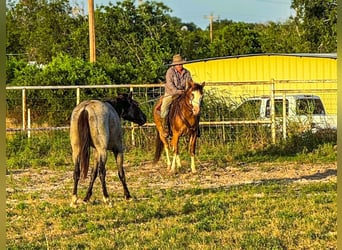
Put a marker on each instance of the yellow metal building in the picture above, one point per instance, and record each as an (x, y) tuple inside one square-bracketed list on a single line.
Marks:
[(252, 74)]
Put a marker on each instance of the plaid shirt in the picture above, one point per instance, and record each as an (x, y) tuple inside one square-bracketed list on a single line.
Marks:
[(175, 81)]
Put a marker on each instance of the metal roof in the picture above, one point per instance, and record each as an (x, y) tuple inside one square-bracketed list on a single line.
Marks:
[(316, 55)]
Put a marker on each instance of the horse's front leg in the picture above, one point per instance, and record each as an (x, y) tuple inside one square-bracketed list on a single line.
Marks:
[(119, 162), (192, 149), (176, 160), (166, 148)]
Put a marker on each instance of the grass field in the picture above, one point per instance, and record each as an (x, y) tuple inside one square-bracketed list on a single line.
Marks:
[(278, 197), (255, 206)]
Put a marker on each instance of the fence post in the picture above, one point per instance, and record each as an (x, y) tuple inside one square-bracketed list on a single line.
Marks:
[(77, 96), (132, 124), (284, 116), (273, 127), (28, 123), (23, 100)]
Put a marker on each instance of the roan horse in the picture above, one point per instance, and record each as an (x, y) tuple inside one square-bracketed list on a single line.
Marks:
[(182, 120), (97, 124)]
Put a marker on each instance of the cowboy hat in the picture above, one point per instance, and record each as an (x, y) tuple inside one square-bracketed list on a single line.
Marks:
[(177, 59)]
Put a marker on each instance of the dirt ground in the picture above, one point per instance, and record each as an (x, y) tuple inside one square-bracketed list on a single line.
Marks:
[(214, 177), (147, 176)]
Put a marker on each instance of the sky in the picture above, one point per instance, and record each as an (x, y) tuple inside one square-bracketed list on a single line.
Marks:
[(250, 11)]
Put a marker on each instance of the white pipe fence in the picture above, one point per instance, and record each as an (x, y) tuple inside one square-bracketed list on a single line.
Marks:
[(26, 126)]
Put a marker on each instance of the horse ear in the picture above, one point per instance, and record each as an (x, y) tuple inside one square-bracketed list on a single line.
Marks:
[(190, 84), (203, 84), (130, 95)]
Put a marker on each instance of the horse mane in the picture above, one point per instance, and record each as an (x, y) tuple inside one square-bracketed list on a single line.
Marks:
[(118, 102), (176, 104)]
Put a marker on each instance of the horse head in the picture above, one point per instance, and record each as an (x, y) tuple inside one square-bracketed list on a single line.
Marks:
[(129, 109), (194, 93)]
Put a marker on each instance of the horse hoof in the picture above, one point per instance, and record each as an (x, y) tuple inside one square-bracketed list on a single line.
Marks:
[(131, 199), (73, 202), (172, 172)]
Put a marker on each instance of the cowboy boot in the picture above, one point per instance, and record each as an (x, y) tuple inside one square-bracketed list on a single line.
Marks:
[(165, 126)]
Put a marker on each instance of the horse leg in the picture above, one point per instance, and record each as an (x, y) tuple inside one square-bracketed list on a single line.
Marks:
[(192, 148), (166, 148), (76, 178), (176, 159), (94, 172), (102, 175), (167, 153), (121, 172)]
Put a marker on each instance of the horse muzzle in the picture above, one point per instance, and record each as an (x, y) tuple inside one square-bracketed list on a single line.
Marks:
[(142, 120)]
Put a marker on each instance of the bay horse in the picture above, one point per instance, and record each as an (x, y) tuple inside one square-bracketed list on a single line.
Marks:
[(97, 124), (183, 120)]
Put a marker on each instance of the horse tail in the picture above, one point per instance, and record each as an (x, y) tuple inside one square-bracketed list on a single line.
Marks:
[(84, 137), (159, 149)]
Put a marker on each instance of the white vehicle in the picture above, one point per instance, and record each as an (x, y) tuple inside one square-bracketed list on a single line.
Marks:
[(307, 110)]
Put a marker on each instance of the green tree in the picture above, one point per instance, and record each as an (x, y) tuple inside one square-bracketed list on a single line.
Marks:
[(316, 24), (41, 29), (280, 38), (144, 37), (234, 38)]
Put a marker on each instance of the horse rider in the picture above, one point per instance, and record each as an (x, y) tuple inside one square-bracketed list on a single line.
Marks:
[(176, 83)]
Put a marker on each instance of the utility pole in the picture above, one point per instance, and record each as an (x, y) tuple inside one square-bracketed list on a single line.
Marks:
[(92, 47), (211, 20)]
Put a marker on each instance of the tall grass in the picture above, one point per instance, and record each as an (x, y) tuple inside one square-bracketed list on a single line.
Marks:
[(215, 144)]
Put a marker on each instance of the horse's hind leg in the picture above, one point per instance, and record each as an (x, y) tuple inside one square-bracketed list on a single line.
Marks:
[(76, 178), (121, 173), (94, 172), (102, 173)]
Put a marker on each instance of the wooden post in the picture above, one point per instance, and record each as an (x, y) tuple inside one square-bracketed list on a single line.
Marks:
[(91, 17)]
